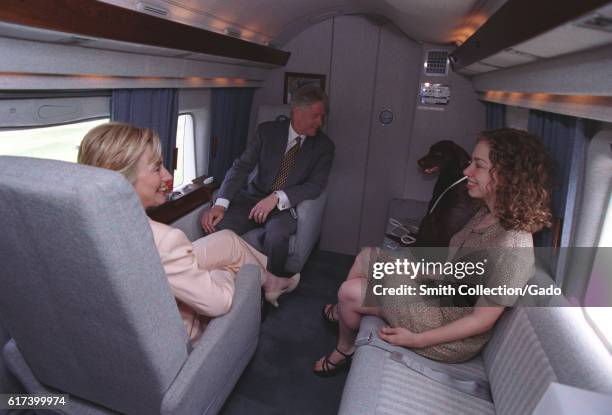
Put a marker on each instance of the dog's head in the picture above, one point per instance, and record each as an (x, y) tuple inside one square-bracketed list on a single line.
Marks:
[(444, 155)]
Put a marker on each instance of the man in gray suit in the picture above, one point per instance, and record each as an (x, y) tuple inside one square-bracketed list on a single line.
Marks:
[(293, 160)]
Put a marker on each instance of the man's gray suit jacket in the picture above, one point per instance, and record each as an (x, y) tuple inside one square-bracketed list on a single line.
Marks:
[(307, 178)]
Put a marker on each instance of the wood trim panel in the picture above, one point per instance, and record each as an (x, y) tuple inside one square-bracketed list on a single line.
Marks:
[(101, 20), (518, 21), (175, 209)]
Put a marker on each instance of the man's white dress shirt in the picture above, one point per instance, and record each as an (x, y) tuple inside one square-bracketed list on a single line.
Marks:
[(283, 200)]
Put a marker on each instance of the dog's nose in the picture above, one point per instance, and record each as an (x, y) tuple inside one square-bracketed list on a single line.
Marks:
[(420, 162)]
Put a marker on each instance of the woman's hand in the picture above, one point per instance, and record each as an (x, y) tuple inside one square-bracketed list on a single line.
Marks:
[(399, 336), (482, 319)]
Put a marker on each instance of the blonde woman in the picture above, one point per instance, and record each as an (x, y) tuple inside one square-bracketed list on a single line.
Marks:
[(201, 275)]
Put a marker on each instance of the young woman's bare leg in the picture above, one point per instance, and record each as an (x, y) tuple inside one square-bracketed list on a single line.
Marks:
[(359, 270), (350, 311)]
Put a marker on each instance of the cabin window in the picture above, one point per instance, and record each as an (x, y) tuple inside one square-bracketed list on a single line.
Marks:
[(61, 142), (185, 143), (58, 142), (600, 317)]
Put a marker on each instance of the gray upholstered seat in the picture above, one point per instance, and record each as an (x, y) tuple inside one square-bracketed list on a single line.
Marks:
[(377, 383), (309, 220), (86, 300), (8, 383), (302, 242), (309, 212), (531, 347)]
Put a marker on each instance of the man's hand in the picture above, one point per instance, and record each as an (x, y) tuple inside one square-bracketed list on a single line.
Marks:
[(262, 209), (399, 336), (212, 217)]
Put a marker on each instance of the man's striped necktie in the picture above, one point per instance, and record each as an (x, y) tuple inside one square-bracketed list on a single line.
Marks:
[(286, 166)]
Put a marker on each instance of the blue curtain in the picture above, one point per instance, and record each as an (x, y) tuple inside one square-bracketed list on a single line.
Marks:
[(230, 113), (565, 140), (151, 108), (495, 115)]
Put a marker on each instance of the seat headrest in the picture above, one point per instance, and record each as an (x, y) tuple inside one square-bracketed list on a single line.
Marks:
[(82, 288)]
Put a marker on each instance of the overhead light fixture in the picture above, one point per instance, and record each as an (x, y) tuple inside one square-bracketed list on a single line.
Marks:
[(232, 31), (141, 6), (597, 22), (76, 40)]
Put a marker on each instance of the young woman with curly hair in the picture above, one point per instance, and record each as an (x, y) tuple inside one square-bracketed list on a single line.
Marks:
[(509, 173), (522, 169)]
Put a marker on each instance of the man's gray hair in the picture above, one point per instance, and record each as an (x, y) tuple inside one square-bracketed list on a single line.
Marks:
[(307, 95)]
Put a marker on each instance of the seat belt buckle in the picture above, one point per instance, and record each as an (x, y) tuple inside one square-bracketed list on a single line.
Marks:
[(397, 357), (364, 341)]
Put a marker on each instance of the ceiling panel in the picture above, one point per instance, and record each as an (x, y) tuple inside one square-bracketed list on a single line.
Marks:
[(569, 38), (277, 21), (433, 21)]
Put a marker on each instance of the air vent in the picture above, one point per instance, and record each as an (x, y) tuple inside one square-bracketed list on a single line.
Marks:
[(436, 63), (151, 9), (597, 22)]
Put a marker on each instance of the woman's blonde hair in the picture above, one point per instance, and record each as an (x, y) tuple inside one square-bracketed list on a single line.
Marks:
[(118, 146)]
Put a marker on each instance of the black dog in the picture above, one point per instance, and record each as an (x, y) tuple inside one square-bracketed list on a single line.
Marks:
[(455, 208)]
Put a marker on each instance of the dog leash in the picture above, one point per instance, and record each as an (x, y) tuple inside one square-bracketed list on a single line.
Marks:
[(444, 192)]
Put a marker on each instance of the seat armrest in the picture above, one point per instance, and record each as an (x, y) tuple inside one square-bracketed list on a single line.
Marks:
[(250, 178), (8, 383), (218, 359), (18, 367), (309, 221), (211, 370)]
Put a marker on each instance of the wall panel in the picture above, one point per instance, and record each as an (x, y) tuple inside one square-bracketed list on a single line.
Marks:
[(459, 121), (351, 91), (310, 53), (370, 67), (397, 79)]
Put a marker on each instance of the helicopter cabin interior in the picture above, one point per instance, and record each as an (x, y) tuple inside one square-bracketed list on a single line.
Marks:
[(400, 75)]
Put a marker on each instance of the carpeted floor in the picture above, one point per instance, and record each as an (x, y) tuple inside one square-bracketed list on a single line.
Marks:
[(279, 379)]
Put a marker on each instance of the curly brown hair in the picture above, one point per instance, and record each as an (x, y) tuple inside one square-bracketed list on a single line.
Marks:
[(521, 167)]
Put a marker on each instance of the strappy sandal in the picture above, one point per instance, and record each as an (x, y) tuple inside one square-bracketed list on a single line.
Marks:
[(327, 312), (329, 368)]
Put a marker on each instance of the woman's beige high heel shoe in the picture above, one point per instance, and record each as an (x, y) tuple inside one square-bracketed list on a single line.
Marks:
[(272, 296)]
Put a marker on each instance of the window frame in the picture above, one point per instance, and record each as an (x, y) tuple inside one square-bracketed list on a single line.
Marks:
[(596, 188), (606, 230), (193, 147), (37, 127), (33, 127)]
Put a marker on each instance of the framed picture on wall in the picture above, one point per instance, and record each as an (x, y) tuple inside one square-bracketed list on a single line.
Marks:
[(294, 80)]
